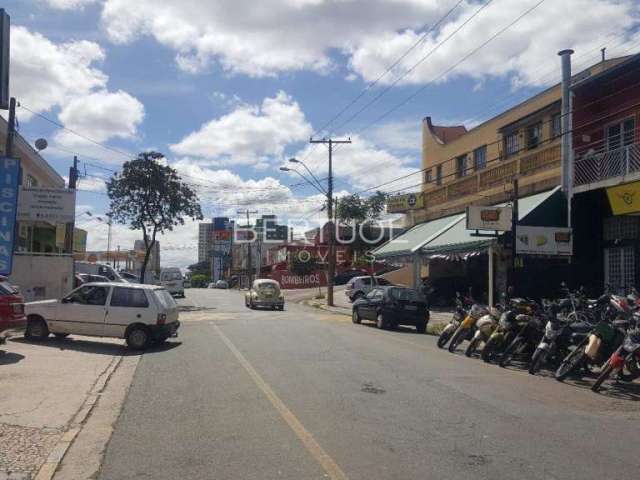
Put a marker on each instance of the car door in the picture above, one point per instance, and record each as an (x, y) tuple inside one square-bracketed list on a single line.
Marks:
[(369, 309), (82, 312), (127, 305)]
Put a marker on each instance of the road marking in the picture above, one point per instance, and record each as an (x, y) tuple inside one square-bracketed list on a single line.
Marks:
[(314, 448)]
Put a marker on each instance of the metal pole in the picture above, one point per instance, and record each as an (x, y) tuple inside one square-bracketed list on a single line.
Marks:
[(514, 231), (11, 128), (490, 267), (566, 144), (73, 180)]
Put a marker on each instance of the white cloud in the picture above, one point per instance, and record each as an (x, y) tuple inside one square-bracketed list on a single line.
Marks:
[(105, 115), (262, 38), (45, 74), (92, 184), (248, 135), (364, 165), (403, 135), (69, 4), (520, 51)]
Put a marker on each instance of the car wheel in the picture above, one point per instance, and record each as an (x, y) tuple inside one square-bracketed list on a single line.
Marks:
[(380, 322), (281, 308), (138, 338), (355, 317), (61, 335), (37, 328)]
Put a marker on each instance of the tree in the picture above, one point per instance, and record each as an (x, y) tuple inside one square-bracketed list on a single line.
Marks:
[(151, 197), (353, 208)]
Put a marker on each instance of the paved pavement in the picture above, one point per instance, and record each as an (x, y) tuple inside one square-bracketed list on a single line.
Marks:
[(43, 385), (305, 394)]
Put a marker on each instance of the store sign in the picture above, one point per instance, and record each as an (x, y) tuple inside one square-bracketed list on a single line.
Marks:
[(9, 175), (49, 205), (288, 280), (544, 241), (489, 218), (624, 199), (404, 203)]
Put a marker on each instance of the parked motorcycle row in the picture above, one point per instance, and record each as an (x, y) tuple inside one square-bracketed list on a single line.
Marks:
[(572, 336)]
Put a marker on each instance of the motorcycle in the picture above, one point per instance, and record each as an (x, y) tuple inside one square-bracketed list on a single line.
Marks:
[(507, 328), (594, 348), (459, 315), (484, 328), (466, 329), (626, 356), (525, 341)]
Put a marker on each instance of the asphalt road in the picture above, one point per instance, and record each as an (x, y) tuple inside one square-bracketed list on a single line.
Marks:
[(304, 394)]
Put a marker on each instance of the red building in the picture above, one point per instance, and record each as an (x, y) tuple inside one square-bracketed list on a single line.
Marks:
[(606, 173)]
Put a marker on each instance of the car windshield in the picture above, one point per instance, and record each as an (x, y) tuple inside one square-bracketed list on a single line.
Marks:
[(7, 289), (266, 287), (406, 295), (171, 276)]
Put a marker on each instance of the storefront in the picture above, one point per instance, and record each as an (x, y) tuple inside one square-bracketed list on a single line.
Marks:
[(454, 258)]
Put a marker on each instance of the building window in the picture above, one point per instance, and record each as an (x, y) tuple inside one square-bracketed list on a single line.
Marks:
[(30, 181), (556, 125), (621, 134), (428, 176), (534, 136), (480, 158), (461, 166), (511, 144), (439, 175)]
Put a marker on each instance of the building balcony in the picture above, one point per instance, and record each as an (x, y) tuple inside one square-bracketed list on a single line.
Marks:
[(603, 169), (529, 167)]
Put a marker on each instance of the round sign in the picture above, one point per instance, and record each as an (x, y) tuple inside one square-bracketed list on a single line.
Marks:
[(41, 144), (412, 200)]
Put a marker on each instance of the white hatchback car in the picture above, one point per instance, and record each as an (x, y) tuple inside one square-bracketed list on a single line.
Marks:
[(141, 314)]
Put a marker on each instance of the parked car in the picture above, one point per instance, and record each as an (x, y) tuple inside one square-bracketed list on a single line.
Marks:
[(12, 319), (392, 306), (344, 277), (211, 285), (223, 284), (88, 278), (141, 314), (171, 279), (130, 277), (103, 269), (265, 293), (358, 287)]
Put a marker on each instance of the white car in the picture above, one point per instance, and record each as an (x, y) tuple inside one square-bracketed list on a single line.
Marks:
[(171, 278), (141, 314)]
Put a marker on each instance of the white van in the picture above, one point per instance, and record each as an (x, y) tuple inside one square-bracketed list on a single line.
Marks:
[(141, 314), (103, 269), (171, 278)]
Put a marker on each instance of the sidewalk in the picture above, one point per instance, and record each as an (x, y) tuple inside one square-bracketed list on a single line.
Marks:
[(47, 391)]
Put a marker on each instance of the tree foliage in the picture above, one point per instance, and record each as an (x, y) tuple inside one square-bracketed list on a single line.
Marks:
[(355, 209), (150, 196)]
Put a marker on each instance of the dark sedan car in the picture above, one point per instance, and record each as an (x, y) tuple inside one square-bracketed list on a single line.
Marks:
[(392, 306)]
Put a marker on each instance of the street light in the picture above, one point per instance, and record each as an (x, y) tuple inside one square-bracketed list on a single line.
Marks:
[(295, 160), (317, 187)]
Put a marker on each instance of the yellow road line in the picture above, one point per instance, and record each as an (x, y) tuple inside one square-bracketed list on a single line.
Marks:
[(314, 448)]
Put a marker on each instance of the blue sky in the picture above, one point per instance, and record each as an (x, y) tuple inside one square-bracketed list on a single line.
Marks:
[(229, 89)]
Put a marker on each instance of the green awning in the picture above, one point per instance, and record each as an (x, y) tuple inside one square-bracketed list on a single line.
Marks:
[(415, 238), (459, 239)]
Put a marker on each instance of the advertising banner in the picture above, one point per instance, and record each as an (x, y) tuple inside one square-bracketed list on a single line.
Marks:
[(404, 203), (9, 175), (624, 199), (46, 205), (489, 218), (544, 241)]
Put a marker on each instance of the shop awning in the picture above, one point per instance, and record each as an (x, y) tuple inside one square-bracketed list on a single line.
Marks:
[(458, 239), (415, 238), (449, 235)]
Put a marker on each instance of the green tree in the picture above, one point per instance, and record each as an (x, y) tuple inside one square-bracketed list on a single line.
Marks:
[(200, 281), (150, 196), (354, 208)]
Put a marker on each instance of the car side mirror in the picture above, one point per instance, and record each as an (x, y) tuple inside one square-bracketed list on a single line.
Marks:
[(66, 300)]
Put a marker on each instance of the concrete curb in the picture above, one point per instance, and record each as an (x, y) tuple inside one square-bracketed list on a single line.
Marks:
[(51, 464)]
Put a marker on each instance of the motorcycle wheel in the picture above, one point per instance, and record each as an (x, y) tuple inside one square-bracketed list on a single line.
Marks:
[(488, 350), (571, 363), (537, 360), (508, 354), (444, 337), (604, 374), (457, 339), (472, 347)]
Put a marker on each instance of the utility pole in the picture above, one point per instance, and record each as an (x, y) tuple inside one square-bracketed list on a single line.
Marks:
[(109, 241), (331, 270), (248, 212), (11, 128), (73, 180)]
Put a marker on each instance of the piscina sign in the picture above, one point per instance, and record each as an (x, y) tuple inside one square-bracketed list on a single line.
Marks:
[(9, 177)]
